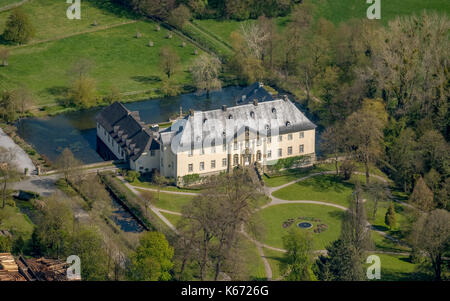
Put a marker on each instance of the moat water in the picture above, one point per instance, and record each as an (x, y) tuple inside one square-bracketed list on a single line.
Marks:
[(76, 130)]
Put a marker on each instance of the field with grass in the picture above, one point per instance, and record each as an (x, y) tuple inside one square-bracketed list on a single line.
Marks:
[(16, 222), (6, 3), (119, 59), (275, 258), (173, 218), (253, 264), (342, 10), (172, 202), (50, 20), (399, 268), (273, 218), (222, 29), (325, 188)]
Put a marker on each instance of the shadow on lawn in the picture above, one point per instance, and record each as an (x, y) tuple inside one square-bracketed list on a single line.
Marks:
[(118, 10), (146, 79)]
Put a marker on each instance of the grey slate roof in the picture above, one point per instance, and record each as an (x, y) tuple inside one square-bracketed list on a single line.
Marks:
[(254, 91), (127, 130), (279, 115)]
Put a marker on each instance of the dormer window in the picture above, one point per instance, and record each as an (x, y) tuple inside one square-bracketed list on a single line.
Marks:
[(274, 111), (252, 114), (204, 120), (230, 116), (288, 123)]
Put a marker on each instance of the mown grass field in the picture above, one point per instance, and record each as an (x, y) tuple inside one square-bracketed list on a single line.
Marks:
[(222, 29), (50, 20), (5, 3), (289, 175), (273, 217), (398, 268), (325, 188), (172, 202), (119, 59), (275, 258), (16, 222), (343, 10)]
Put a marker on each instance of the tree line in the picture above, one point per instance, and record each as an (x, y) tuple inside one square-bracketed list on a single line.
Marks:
[(230, 9)]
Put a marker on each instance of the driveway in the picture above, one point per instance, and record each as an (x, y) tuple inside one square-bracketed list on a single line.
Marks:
[(44, 185), (21, 159)]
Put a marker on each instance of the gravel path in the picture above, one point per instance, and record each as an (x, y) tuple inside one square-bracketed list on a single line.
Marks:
[(21, 160)]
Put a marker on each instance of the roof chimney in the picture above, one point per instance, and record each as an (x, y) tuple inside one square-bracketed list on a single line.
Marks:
[(255, 102), (260, 84), (224, 107), (285, 97), (191, 112)]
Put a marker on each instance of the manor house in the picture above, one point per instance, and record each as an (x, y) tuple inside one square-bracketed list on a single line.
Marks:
[(260, 129)]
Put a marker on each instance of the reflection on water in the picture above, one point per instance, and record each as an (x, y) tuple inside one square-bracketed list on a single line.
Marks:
[(76, 131), (124, 220)]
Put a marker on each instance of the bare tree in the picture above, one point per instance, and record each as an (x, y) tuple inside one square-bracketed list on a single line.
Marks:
[(4, 55), (7, 171), (431, 235), (81, 68), (68, 164), (205, 72), (170, 61), (217, 216), (149, 199), (366, 145), (333, 143), (24, 99)]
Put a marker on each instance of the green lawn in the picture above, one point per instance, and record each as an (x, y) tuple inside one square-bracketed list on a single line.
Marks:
[(207, 40), (120, 60), (16, 222), (384, 244), (173, 218), (5, 3), (275, 258), (342, 10), (398, 268), (50, 20), (325, 188), (273, 217), (288, 175), (222, 29), (172, 202), (253, 264)]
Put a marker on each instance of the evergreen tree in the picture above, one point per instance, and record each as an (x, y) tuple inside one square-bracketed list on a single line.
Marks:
[(18, 28), (390, 218), (422, 197)]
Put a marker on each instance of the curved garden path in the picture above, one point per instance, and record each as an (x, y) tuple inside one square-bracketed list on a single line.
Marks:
[(274, 201)]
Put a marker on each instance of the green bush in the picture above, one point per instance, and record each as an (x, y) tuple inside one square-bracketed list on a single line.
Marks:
[(191, 179), (18, 28), (5, 244), (131, 176), (287, 163)]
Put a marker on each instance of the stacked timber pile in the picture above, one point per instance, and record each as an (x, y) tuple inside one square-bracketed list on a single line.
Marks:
[(9, 271), (44, 269)]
